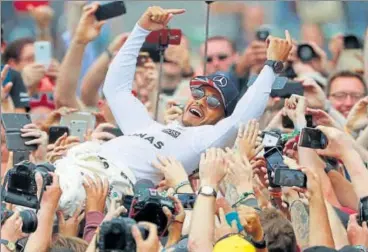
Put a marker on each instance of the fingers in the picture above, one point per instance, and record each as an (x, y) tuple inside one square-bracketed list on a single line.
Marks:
[(61, 218), (4, 72), (222, 215), (288, 37), (175, 11), (152, 229), (137, 234)]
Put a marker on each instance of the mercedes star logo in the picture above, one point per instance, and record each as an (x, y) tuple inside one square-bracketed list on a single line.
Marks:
[(221, 81)]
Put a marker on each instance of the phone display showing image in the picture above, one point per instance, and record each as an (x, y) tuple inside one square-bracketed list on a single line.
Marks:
[(110, 10), (55, 132), (312, 138), (274, 159), (270, 139), (187, 199), (43, 53), (289, 178)]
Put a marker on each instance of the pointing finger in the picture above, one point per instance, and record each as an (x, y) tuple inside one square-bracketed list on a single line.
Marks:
[(175, 11)]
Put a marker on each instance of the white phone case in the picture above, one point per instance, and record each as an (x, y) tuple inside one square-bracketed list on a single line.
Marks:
[(43, 53)]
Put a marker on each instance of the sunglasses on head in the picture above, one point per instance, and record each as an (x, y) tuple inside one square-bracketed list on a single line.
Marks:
[(220, 57), (199, 93)]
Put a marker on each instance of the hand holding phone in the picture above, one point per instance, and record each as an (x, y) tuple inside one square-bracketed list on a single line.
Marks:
[(110, 10), (187, 200), (43, 53), (313, 138), (55, 132), (290, 178)]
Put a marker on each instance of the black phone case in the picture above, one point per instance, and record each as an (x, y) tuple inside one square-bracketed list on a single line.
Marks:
[(56, 132), (12, 123), (313, 138), (110, 10), (278, 182)]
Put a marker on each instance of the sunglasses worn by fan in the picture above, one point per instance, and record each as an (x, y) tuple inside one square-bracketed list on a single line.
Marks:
[(199, 93), (220, 57)]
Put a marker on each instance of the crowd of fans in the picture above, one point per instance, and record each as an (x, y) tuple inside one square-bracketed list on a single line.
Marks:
[(198, 141)]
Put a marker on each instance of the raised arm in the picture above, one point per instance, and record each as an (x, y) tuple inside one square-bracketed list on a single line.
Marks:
[(66, 86), (252, 104), (130, 114)]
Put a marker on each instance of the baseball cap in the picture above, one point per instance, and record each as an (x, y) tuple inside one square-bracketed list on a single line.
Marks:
[(326, 249), (234, 243), (223, 82)]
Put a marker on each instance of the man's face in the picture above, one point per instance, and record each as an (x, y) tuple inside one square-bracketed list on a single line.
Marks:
[(220, 56), (27, 56), (344, 93), (197, 112)]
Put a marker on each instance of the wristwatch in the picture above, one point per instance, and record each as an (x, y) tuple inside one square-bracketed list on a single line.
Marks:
[(207, 191), (9, 245), (277, 66), (259, 244)]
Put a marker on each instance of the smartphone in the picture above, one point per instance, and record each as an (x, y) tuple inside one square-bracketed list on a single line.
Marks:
[(43, 53), (165, 37), (270, 139), (110, 10), (287, 123), (312, 138), (89, 118), (7, 77), (12, 123), (55, 132), (143, 57), (290, 88), (262, 34), (187, 199), (274, 159), (289, 178), (115, 131), (78, 129), (230, 217)]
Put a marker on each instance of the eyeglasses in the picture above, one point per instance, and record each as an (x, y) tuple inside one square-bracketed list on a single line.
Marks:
[(220, 57), (343, 95), (212, 101)]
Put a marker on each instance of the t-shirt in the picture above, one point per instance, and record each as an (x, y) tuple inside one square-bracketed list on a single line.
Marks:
[(18, 92), (145, 138)]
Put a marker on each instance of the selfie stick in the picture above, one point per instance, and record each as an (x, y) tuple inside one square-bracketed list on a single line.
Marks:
[(205, 44), (161, 48)]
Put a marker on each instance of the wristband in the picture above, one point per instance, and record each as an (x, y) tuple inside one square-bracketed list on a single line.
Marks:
[(180, 185), (259, 244), (243, 197)]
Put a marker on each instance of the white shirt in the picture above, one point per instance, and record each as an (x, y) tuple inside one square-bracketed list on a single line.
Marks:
[(145, 138)]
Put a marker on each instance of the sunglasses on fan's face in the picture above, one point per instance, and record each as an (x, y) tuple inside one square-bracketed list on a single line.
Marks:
[(220, 57), (199, 93)]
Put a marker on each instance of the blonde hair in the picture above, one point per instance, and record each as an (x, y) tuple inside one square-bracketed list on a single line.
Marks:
[(67, 242)]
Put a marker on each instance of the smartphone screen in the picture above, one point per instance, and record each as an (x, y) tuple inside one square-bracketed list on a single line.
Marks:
[(110, 10), (290, 88), (187, 199), (312, 138), (274, 159), (289, 178), (270, 139), (43, 53)]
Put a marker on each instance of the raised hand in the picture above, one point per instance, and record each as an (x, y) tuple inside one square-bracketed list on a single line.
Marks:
[(41, 14), (357, 235), (172, 170), (212, 167), (358, 115), (295, 108), (320, 117), (313, 93), (222, 227), (88, 28), (96, 193), (248, 141), (251, 222), (70, 226), (279, 49), (155, 18), (99, 135), (151, 244)]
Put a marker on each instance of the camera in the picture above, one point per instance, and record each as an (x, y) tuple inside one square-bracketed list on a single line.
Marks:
[(262, 34), (21, 183), (116, 235), (306, 53), (29, 219), (352, 42), (363, 210), (312, 138), (147, 206)]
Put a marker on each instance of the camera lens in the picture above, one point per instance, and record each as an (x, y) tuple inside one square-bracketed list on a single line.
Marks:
[(30, 221), (306, 53)]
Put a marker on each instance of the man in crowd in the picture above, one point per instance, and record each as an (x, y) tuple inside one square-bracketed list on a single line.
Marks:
[(210, 118), (344, 90)]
